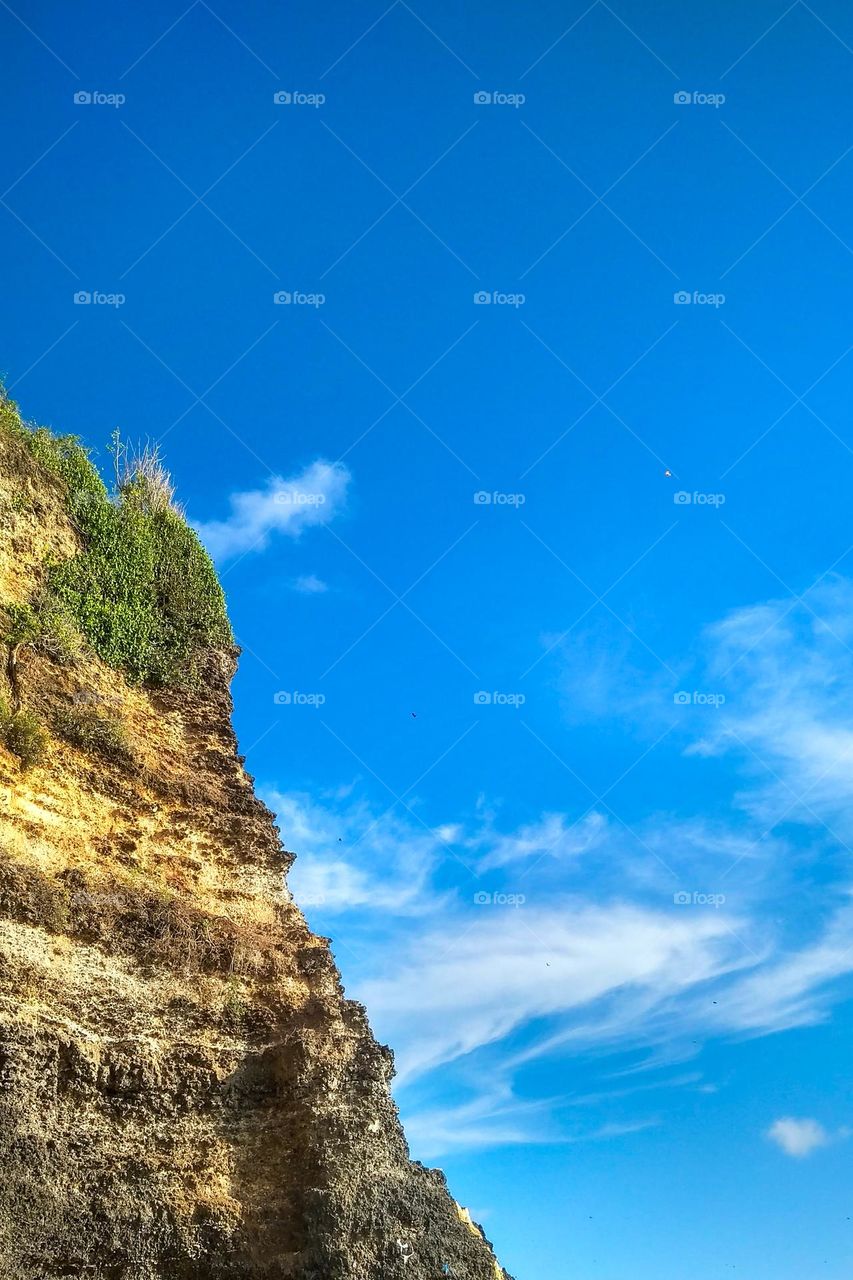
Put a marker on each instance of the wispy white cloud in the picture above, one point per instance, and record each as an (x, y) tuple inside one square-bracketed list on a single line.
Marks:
[(603, 968), (493, 1118), (552, 835), (593, 969), (601, 956), (794, 987), (789, 670), (598, 682), (285, 505), (496, 1118), (351, 860)]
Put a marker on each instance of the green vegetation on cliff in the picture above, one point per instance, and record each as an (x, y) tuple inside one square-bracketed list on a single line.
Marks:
[(23, 735), (143, 591)]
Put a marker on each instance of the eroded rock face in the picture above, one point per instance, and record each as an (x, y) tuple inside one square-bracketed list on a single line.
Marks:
[(185, 1093)]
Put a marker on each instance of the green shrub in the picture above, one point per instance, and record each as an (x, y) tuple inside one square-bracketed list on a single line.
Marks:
[(45, 624), (59, 635), (143, 591), (87, 728), (18, 504), (20, 625), (10, 418), (23, 735)]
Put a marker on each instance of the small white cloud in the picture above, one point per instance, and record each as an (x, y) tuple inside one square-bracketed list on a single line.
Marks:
[(312, 497), (308, 584), (798, 1138)]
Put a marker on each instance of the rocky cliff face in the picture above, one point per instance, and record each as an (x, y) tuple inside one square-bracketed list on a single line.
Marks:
[(185, 1093)]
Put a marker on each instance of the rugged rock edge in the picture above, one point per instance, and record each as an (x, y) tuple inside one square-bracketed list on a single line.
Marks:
[(185, 1092)]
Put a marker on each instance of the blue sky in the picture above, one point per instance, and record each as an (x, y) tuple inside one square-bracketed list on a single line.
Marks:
[(545, 600)]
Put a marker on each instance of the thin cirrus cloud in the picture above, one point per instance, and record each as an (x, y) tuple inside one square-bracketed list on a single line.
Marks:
[(551, 836), (611, 973), (447, 978), (795, 988), (288, 505), (601, 956), (585, 964), (349, 860), (790, 668), (490, 969), (497, 1118)]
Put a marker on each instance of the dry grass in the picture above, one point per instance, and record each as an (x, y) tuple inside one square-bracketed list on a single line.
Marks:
[(92, 731), (22, 733), (152, 924), (142, 475)]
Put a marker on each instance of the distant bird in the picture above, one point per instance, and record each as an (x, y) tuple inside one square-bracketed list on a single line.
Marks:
[(414, 715)]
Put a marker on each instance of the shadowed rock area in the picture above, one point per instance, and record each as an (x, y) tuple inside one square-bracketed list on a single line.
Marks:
[(185, 1093)]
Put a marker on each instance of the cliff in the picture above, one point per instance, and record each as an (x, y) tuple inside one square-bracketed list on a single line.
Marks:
[(185, 1093)]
